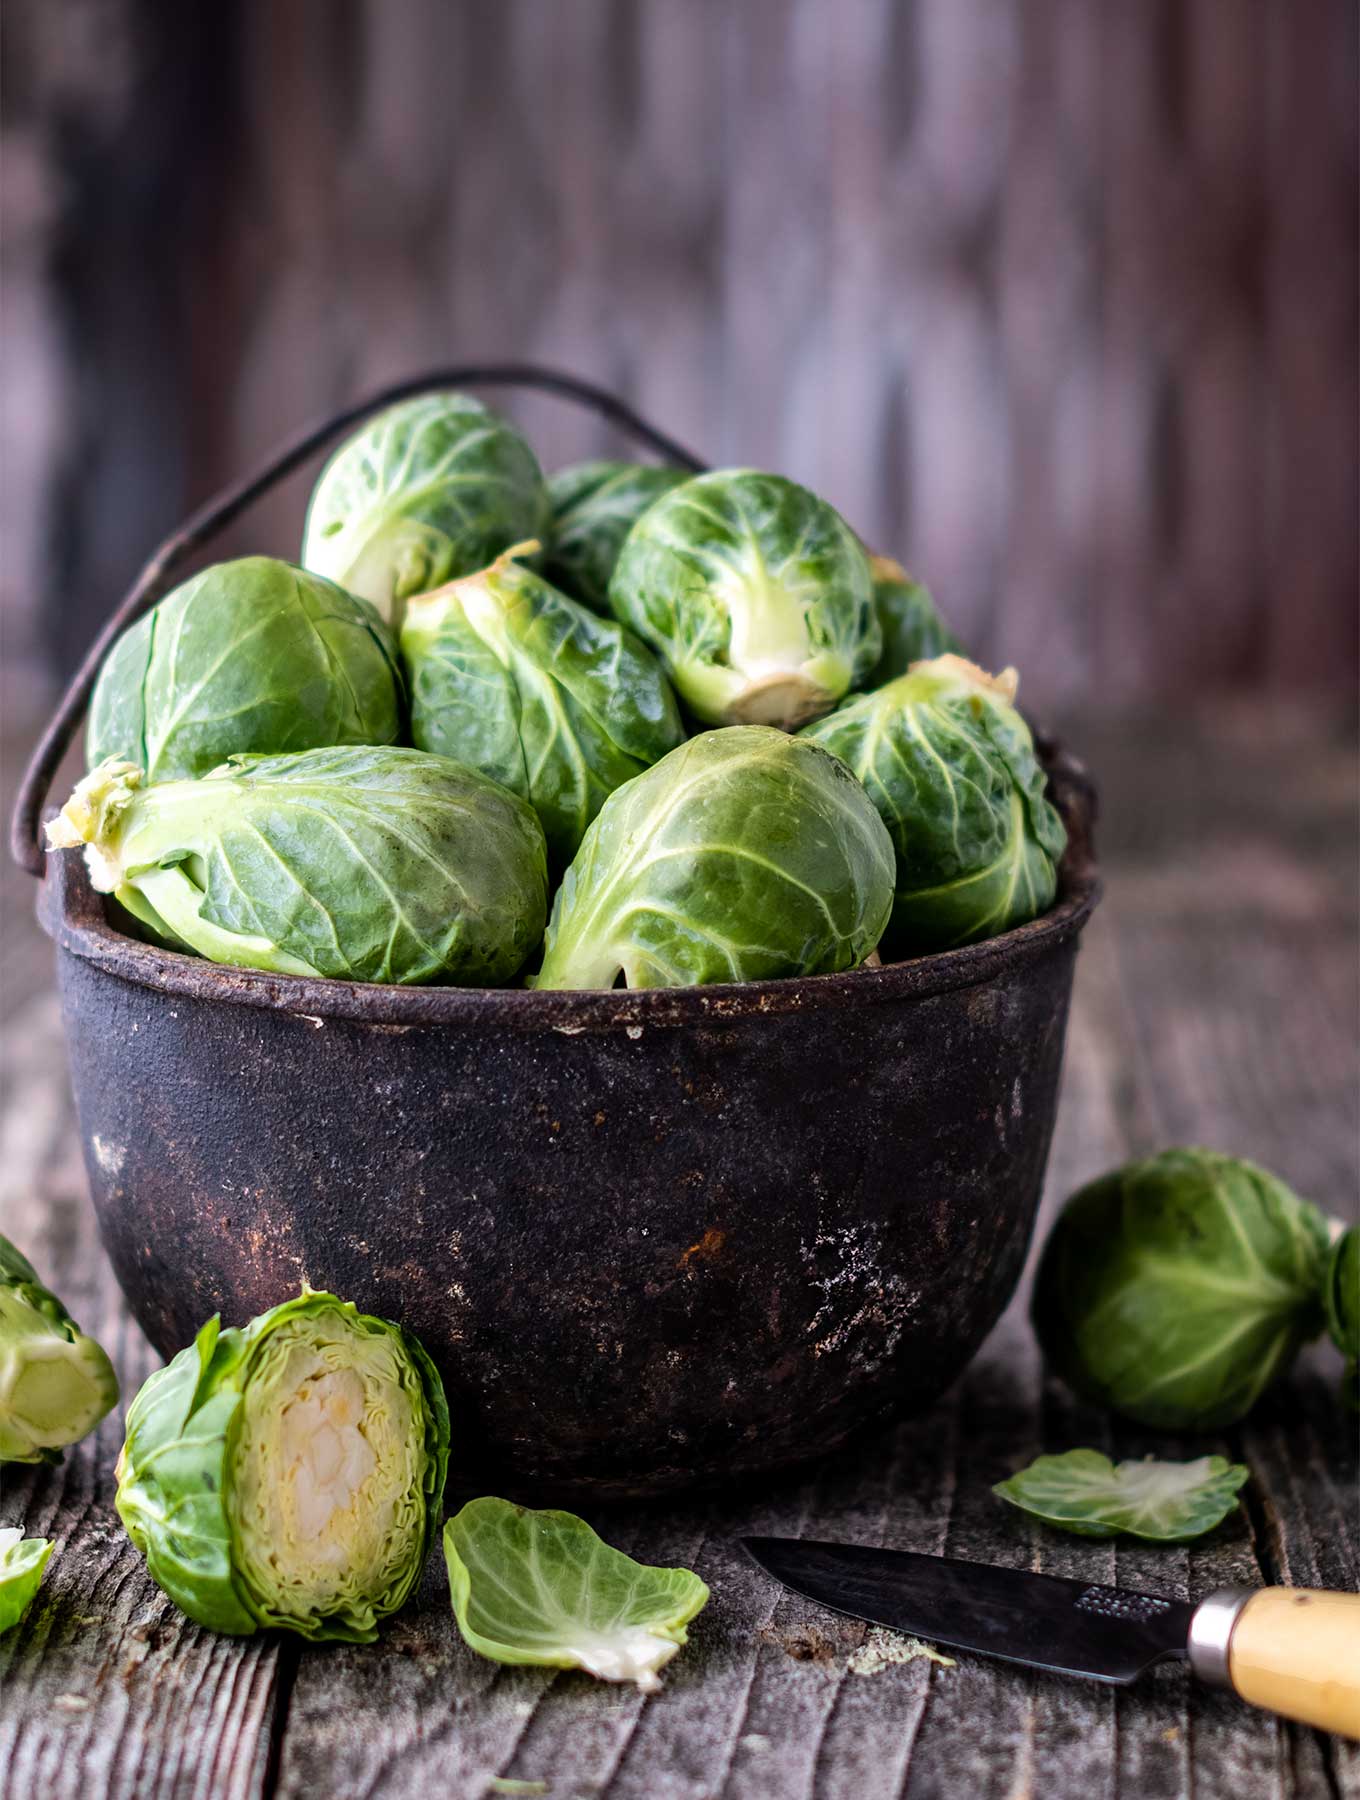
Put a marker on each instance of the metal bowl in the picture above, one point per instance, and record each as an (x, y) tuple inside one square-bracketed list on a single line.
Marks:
[(651, 1239)]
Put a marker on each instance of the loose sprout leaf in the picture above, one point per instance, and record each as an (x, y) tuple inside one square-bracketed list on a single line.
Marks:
[(22, 1561), (594, 507), (380, 864), (56, 1383), (950, 765), (912, 629), (756, 594), (517, 680), (744, 855), (428, 490), (1084, 1492), (542, 1588), (253, 655), (288, 1474), (1176, 1289)]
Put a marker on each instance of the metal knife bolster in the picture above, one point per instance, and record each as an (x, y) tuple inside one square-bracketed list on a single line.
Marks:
[(1211, 1632)]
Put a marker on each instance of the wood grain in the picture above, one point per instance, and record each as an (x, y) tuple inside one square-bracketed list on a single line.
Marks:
[(1056, 299), (1214, 1003)]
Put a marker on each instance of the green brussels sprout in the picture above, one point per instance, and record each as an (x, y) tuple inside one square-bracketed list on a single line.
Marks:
[(757, 595), (289, 1473), (514, 678), (254, 655), (429, 489), (56, 1384), (1341, 1303), (22, 1561), (1176, 1289), (363, 864), (743, 855), (950, 765), (912, 629), (594, 507)]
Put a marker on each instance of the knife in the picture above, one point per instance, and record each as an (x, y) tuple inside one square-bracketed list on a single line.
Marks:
[(1294, 1651)]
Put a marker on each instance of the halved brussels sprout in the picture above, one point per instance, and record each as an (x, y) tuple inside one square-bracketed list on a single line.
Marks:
[(252, 655), (594, 507), (743, 855), (289, 1473), (56, 1384), (514, 678), (756, 594), (22, 1561), (429, 489), (367, 865), (912, 629), (1176, 1289), (542, 1588), (950, 765)]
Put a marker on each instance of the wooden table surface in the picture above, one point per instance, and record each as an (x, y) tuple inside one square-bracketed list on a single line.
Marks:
[(1216, 1003)]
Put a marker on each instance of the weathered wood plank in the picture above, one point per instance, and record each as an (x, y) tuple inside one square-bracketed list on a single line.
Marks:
[(107, 1689), (1056, 300), (1212, 1003)]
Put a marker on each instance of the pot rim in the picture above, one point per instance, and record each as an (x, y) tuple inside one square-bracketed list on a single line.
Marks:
[(72, 914)]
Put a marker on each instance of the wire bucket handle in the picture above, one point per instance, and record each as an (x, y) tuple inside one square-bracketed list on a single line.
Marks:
[(202, 526)]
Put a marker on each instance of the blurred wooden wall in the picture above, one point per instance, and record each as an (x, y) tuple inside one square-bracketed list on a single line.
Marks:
[(1054, 298)]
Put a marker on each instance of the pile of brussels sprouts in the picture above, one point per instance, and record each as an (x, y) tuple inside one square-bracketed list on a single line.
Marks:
[(735, 747), (734, 744)]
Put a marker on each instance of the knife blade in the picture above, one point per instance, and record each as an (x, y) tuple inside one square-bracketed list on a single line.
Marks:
[(1045, 1621), (1295, 1651)]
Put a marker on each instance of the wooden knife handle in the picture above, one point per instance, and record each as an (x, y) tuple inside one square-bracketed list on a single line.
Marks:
[(1294, 1651)]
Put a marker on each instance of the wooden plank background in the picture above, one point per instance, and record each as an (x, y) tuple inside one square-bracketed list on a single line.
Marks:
[(1055, 298)]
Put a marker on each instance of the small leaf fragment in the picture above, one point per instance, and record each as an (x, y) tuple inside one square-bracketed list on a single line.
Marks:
[(884, 1649)]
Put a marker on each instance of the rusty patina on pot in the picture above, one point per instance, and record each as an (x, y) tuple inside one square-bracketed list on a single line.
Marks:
[(651, 1239)]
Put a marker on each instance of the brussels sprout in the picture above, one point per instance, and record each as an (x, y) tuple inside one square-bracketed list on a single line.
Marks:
[(1164, 1502), (912, 629), (950, 765), (289, 1473), (757, 595), (1341, 1302), (741, 856), (1176, 1289), (430, 489), (249, 655), (22, 1561), (513, 678), (367, 865), (542, 1588), (56, 1384), (594, 507)]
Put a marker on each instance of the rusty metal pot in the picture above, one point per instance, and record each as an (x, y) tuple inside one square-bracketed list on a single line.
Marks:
[(651, 1239)]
